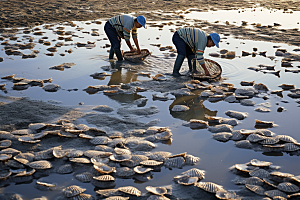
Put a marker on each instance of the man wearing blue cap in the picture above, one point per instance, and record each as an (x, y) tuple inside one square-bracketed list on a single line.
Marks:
[(191, 43), (119, 27)]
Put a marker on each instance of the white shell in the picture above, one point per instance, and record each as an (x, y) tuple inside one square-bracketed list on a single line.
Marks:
[(176, 162), (180, 108), (72, 190)]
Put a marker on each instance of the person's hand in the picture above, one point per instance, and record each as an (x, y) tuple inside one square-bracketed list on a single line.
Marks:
[(139, 51)]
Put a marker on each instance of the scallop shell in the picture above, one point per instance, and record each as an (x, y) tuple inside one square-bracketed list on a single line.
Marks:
[(259, 163), (58, 153), (194, 172), (83, 196), (4, 174), (253, 181), (45, 184), (85, 136), (191, 160), (42, 164), (122, 151), (296, 178), (80, 160), (274, 193), (290, 147), (195, 123), (84, 177), (255, 138), (104, 148), (260, 173), (72, 191), (269, 182), (151, 163), (223, 194), (286, 138), (124, 172), (73, 153), (244, 144), (236, 135), (293, 195), (105, 169), (288, 187), (166, 135), (286, 86), (237, 115), (281, 174), (65, 169), (264, 123), (160, 155), (247, 132), (176, 162), (117, 198), (269, 140), (26, 173), (156, 190), (186, 180), (44, 155), (104, 178), (178, 155), (265, 132), (93, 153), (244, 167), (98, 160), (4, 157), (100, 140), (209, 187), (256, 189), (130, 190), (120, 158), (10, 151), (142, 170), (220, 128), (36, 126), (180, 108), (5, 143), (223, 136), (66, 134)]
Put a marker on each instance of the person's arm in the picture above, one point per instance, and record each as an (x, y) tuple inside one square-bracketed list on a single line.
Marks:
[(127, 38), (136, 42), (200, 59)]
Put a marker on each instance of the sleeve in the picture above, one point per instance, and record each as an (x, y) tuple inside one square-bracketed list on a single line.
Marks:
[(126, 34), (200, 57), (134, 32)]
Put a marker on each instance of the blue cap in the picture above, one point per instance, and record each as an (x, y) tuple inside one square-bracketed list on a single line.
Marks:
[(215, 38), (141, 20)]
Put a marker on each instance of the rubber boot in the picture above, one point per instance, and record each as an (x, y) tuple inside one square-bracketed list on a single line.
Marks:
[(177, 65), (118, 54), (190, 63), (111, 53)]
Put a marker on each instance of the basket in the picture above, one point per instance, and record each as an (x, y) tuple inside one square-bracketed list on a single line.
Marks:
[(134, 57), (214, 69)]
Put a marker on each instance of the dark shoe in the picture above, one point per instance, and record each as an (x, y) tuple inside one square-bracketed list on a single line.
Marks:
[(177, 65), (176, 74), (118, 54)]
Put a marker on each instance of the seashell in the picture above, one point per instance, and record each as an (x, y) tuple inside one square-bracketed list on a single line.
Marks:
[(124, 172), (157, 197), (223, 194), (232, 122), (274, 193), (293, 195), (66, 134), (104, 148), (156, 190), (135, 160), (269, 182), (194, 123), (58, 153), (262, 109), (28, 140), (191, 160), (80, 160), (269, 140), (247, 83), (264, 123), (85, 136), (100, 140), (255, 138), (72, 191), (130, 190), (236, 135), (256, 189), (93, 153), (84, 177), (39, 182), (288, 187), (176, 162), (44, 155), (10, 151), (120, 158), (220, 128), (36, 126), (296, 178), (287, 86), (104, 178), (142, 170), (160, 156), (223, 136), (244, 144), (180, 108), (260, 173), (122, 151), (209, 187), (237, 115), (290, 147), (42, 164), (186, 180), (5, 144), (215, 98), (281, 174), (286, 138), (275, 147), (166, 135), (105, 169), (178, 155), (254, 181), (244, 167), (4, 157), (151, 163), (25, 173), (247, 132), (83, 196), (40, 135), (247, 102), (258, 163), (65, 169), (117, 198), (22, 132), (194, 172), (99, 160), (4, 174), (73, 153)]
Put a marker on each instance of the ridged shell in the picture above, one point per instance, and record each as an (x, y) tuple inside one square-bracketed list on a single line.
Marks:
[(264, 123), (40, 135), (130, 190), (260, 173), (5, 174), (274, 193), (180, 108), (281, 174), (286, 138), (223, 194), (244, 167), (194, 172), (120, 158), (166, 135), (58, 153), (156, 190), (104, 178), (259, 163), (72, 190), (66, 134), (80, 160), (293, 195), (220, 128), (98, 160), (83, 196), (39, 182), (151, 163), (224, 137), (122, 151), (142, 170), (42, 164), (117, 198), (186, 180), (5, 143), (194, 123), (247, 132), (160, 156), (254, 181), (236, 135), (84, 177), (176, 162), (296, 178), (244, 144), (288, 187), (105, 169), (209, 187), (104, 148), (73, 153), (93, 153), (4, 157), (256, 189), (157, 197), (15, 164), (237, 115), (269, 140), (44, 155), (100, 140), (85, 136), (290, 147), (36, 126), (65, 169), (124, 172), (255, 138), (10, 151), (191, 160), (265, 132), (270, 182)]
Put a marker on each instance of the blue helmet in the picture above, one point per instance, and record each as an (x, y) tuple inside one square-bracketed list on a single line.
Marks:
[(215, 38), (141, 20)]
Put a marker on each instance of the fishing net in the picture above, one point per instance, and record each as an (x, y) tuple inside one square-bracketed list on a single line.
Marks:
[(134, 57), (213, 68)]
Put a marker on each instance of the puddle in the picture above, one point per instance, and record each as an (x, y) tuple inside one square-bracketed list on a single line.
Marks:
[(216, 157)]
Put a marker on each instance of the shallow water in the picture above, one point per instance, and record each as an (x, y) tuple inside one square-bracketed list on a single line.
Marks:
[(216, 157)]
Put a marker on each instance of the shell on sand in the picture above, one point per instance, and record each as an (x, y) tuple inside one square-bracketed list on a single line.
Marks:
[(209, 186), (122, 151), (180, 108), (151, 163), (223, 136), (124, 172), (104, 178), (259, 163), (130, 190), (244, 167), (157, 190), (255, 138), (223, 194), (100, 140), (191, 160), (244, 144), (142, 170), (58, 153), (256, 189), (160, 155), (176, 162), (288, 187), (45, 184), (286, 138), (84, 177), (260, 173), (195, 123), (270, 182), (275, 193), (65, 169), (281, 174), (120, 158), (5, 143), (105, 169), (72, 190), (186, 180), (263, 123), (98, 160), (269, 140), (290, 147), (80, 160), (41, 164), (194, 172)]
